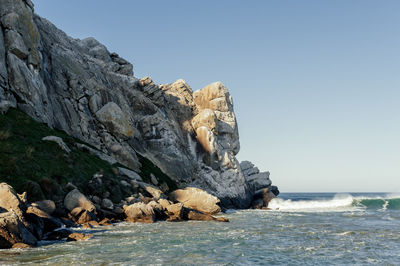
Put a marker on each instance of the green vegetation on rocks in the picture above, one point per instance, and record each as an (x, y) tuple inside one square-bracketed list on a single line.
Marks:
[(42, 168)]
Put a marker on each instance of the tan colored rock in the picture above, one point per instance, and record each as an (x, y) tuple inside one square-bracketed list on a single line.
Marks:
[(164, 203), (207, 139), (138, 211), (206, 118), (175, 212), (21, 246), (152, 190), (86, 217), (76, 199), (196, 199), (10, 201), (78, 237)]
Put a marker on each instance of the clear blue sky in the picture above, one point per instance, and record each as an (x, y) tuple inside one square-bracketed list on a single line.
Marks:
[(316, 84)]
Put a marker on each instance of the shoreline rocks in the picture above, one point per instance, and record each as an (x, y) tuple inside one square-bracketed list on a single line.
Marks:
[(23, 224)]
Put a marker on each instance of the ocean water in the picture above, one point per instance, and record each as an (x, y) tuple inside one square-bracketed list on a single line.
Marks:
[(301, 229)]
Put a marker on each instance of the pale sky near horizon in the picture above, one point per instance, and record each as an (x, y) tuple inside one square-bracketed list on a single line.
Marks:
[(316, 84)]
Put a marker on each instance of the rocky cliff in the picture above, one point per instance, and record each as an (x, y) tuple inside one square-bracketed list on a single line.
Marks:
[(79, 87)]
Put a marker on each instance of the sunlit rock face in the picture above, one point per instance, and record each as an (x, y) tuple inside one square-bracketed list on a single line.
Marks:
[(80, 87)]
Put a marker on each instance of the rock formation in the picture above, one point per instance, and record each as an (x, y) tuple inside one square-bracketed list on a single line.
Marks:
[(79, 87)]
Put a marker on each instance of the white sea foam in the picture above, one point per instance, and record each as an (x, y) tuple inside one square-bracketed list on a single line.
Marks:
[(340, 202), (337, 203)]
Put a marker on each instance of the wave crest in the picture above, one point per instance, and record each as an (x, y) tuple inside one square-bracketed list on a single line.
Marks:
[(340, 202)]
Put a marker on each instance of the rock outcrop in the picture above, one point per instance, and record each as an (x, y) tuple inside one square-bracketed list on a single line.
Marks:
[(196, 199), (79, 87), (259, 184)]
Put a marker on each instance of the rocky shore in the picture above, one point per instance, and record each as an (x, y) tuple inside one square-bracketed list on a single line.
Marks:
[(85, 143)]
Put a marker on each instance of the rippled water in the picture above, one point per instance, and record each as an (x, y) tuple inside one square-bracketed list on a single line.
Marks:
[(320, 229)]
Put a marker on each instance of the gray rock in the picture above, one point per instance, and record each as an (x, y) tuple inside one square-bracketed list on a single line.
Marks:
[(115, 120), (97, 153), (76, 199), (3, 69), (131, 174), (107, 204), (126, 156), (245, 165), (4, 106), (258, 181), (15, 44), (48, 206), (153, 179), (59, 141), (96, 200)]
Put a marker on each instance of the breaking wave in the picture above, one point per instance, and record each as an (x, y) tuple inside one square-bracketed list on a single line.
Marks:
[(340, 202)]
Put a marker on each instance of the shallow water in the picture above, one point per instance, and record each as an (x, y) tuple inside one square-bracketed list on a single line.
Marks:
[(308, 229)]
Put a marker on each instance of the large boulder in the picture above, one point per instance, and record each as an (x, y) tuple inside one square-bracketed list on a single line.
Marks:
[(10, 201), (76, 199), (47, 206), (13, 231), (139, 212), (197, 199)]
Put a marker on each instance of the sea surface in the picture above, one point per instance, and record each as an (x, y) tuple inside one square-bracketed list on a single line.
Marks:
[(301, 229)]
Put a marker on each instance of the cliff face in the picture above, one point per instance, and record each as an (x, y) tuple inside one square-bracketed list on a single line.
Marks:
[(79, 87)]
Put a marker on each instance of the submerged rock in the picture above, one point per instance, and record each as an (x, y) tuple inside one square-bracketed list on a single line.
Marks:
[(78, 237)]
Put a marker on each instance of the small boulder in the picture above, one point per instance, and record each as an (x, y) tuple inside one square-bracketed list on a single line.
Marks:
[(139, 212), (175, 212), (76, 199), (131, 174), (107, 204), (198, 216), (152, 190), (21, 246), (78, 237), (47, 206), (197, 199)]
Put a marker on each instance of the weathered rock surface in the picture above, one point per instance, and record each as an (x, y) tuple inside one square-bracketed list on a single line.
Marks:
[(197, 199), (76, 199), (79, 87), (13, 231), (10, 201), (47, 206), (78, 237), (259, 185)]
